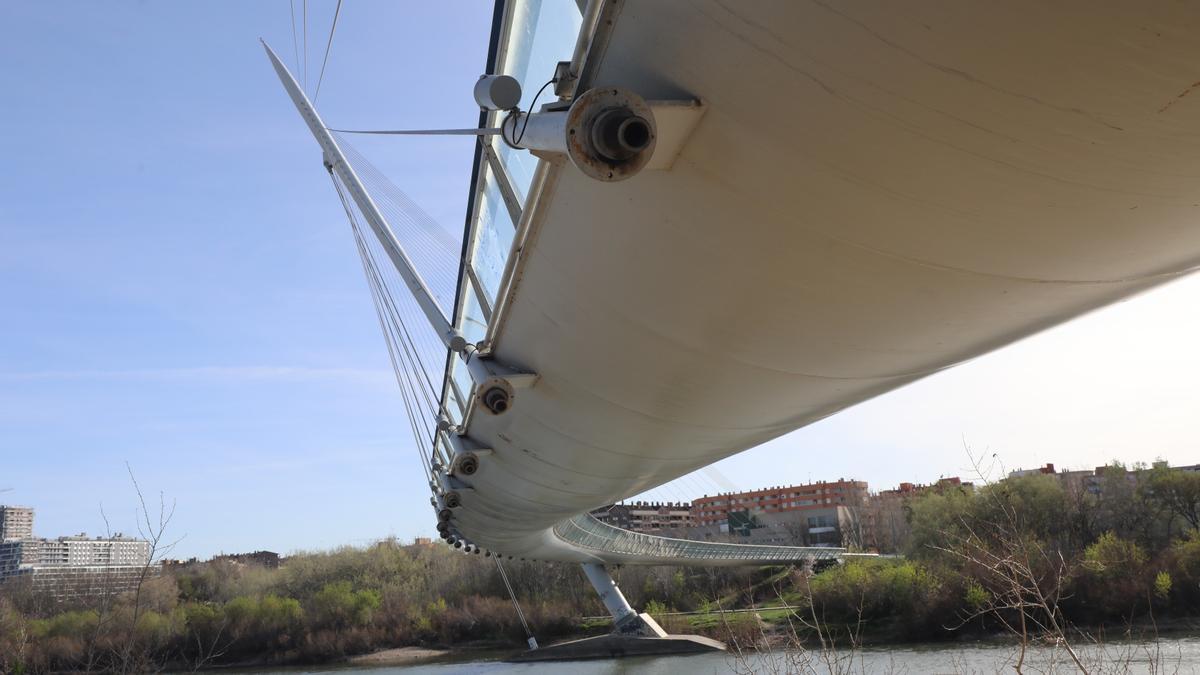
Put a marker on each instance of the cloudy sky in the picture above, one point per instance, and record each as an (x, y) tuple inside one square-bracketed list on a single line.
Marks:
[(179, 292)]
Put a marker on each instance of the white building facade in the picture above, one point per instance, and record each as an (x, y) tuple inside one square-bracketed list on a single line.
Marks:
[(68, 566), (16, 522)]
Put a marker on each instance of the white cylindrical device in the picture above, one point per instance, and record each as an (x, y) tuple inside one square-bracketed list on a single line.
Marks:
[(498, 92)]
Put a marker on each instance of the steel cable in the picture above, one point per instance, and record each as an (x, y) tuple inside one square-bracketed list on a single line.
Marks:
[(328, 45), (384, 318)]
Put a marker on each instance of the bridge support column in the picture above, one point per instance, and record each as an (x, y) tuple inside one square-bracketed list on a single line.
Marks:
[(626, 621)]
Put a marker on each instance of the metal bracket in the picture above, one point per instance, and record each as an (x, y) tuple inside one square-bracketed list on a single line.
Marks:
[(508, 193), (495, 382), (465, 458)]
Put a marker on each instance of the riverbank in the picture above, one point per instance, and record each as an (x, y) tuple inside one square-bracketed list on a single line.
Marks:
[(1169, 655), (398, 656)]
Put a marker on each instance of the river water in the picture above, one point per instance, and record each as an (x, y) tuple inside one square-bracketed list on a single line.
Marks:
[(1176, 655)]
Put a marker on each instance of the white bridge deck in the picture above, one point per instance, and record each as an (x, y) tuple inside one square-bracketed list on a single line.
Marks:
[(876, 191)]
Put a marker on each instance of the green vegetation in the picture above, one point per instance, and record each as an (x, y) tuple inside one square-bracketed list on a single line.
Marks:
[(1034, 556), (1035, 551), (325, 606)]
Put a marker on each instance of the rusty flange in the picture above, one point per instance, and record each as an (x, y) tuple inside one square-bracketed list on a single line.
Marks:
[(610, 133)]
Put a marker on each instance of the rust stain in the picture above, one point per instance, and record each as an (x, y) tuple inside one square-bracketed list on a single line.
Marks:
[(1175, 100)]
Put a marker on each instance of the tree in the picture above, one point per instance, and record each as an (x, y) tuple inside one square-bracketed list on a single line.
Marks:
[(1176, 491), (206, 624), (129, 658), (885, 524), (1120, 508), (14, 636), (338, 606)]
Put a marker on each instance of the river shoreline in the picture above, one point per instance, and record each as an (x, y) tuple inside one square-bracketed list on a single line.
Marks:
[(1170, 654), (778, 640), (397, 656)]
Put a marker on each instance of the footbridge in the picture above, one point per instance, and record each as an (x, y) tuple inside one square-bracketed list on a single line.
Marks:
[(727, 221)]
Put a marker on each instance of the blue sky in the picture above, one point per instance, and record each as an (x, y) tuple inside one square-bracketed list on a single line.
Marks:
[(178, 284), (179, 290)]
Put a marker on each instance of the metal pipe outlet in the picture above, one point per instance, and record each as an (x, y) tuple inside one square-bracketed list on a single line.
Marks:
[(609, 134)]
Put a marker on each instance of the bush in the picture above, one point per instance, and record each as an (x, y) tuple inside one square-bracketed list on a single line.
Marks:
[(1162, 586), (1111, 557), (907, 593)]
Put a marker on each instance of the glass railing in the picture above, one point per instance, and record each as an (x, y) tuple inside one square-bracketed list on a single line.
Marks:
[(585, 531), (542, 33), (493, 239), (536, 35)]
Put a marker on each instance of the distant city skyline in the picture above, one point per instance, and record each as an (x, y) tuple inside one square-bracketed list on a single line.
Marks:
[(181, 293)]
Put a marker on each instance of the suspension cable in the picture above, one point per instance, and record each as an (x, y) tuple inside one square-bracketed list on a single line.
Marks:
[(402, 380), (328, 44), (295, 41), (517, 605), (304, 21), (408, 338), (434, 252), (405, 384)]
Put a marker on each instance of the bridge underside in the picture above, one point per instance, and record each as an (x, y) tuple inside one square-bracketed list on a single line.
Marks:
[(876, 191)]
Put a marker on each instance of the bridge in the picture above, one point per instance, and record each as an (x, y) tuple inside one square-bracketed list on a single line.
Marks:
[(729, 221)]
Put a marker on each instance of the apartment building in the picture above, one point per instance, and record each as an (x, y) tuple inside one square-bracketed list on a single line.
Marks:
[(652, 517), (71, 566), (716, 510), (16, 522)]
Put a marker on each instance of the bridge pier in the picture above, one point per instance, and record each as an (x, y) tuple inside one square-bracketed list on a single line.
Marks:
[(633, 634), (626, 621)]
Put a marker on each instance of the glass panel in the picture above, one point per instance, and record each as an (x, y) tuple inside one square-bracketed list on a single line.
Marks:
[(473, 325), (543, 33), (461, 377), (451, 405), (493, 239), (441, 451)]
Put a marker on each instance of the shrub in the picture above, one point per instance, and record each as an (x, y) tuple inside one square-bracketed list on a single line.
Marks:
[(1162, 585), (1110, 556)]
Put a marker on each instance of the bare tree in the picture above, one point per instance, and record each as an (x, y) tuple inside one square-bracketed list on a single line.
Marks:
[(837, 650), (1022, 580), (215, 644), (103, 590), (153, 530)]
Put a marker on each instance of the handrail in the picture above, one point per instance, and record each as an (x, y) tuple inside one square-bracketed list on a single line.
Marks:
[(585, 531)]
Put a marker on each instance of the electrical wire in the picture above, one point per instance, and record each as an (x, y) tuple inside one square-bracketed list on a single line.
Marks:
[(517, 140), (328, 45)]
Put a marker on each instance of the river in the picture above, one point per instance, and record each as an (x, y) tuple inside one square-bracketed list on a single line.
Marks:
[(1176, 655)]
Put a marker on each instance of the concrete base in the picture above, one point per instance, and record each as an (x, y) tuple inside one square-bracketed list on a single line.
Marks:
[(617, 646), (639, 625)]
